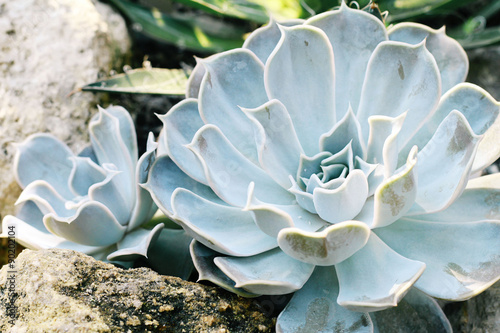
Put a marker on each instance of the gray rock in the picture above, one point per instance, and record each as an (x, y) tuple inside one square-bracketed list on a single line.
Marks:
[(49, 48), (66, 291), (480, 314)]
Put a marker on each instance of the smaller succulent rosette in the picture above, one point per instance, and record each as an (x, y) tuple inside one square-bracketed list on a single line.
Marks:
[(337, 159), (91, 202)]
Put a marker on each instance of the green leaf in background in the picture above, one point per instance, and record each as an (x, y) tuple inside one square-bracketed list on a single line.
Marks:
[(252, 10), (185, 33), (144, 81), (403, 9)]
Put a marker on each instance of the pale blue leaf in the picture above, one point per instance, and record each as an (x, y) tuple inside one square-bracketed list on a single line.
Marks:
[(354, 35), (444, 164), (416, 312), (43, 157), (46, 198), (84, 174), (300, 73), (270, 273), (169, 255), (462, 258), (203, 260), (180, 125), (375, 277), (450, 56), (145, 207), (314, 308), (229, 173), (344, 202), (327, 247), (135, 244), (234, 79), (93, 224), (223, 228), (278, 147), (263, 40), (399, 78), (165, 176)]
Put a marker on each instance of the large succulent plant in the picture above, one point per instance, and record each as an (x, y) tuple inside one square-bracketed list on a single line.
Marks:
[(90, 202), (335, 158)]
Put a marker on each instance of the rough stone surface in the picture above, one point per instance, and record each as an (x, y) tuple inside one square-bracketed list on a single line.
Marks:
[(66, 291), (49, 48)]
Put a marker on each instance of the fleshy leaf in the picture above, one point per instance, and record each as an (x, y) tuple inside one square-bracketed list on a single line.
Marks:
[(314, 308), (203, 260), (194, 81), (300, 73), (450, 56), (444, 164), (375, 277), (37, 238), (399, 78), (180, 125), (415, 312), (353, 35), (93, 225), (462, 258), (382, 141), (483, 114), (396, 195), (272, 218), (327, 247), (474, 205), (136, 244), (270, 273), (108, 194), (46, 198), (169, 255), (234, 79), (43, 157), (278, 147), (229, 173), (111, 148), (225, 229), (263, 40), (346, 131), (344, 202), (145, 207), (84, 174), (165, 176)]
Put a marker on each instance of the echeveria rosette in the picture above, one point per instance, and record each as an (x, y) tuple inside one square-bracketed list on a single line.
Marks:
[(91, 202), (335, 159)]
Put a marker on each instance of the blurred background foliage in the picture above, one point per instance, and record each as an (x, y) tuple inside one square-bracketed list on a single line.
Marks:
[(204, 27)]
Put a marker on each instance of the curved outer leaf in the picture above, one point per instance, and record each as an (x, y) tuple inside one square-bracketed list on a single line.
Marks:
[(208, 223), (93, 225), (302, 57), (375, 277), (270, 273), (360, 35), (444, 164), (203, 260), (450, 56), (462, 258), (314, 308), (399, 78), (234, 79), (415, 312), (44, 157), (180, 124), (136, 244)]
